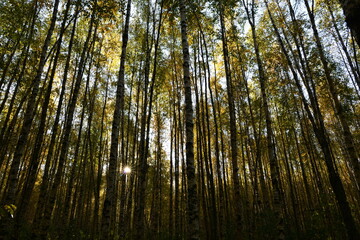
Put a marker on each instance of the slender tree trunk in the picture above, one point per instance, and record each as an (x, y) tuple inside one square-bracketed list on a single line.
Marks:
[(275, 178), (97, 187), (109, 203), (192, 198), (171, 192), (233, 128), (145, 121)]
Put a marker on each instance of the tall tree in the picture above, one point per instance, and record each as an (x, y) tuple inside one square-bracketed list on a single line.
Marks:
[(233, 128), (110, 201), (192, 198)]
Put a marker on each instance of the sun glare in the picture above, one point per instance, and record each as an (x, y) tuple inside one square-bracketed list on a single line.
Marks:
[(127, 170)]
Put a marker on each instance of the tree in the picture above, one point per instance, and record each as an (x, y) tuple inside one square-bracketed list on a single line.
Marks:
[(110, 202), (351, 9), (192, 200)]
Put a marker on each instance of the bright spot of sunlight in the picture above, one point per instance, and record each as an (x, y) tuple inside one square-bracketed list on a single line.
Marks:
[(127, 170)]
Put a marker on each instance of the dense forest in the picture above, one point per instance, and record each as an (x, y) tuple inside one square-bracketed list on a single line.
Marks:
[(179, 119)]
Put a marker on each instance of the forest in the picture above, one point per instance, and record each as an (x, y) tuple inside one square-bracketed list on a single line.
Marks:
[(179, 119)]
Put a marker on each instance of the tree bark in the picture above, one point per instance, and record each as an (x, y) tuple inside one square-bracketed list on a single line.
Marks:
[(233, 128), (351, 10), (274, 172), (110, 202), (192, 198)]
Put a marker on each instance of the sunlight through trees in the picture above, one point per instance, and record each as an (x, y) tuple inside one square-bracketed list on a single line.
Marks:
[(179, 119)]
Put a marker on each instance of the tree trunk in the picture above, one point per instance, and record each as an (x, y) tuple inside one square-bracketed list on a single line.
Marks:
[(192, 198), (109, 203), (351, 10), (233, 128), (275, 178)]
